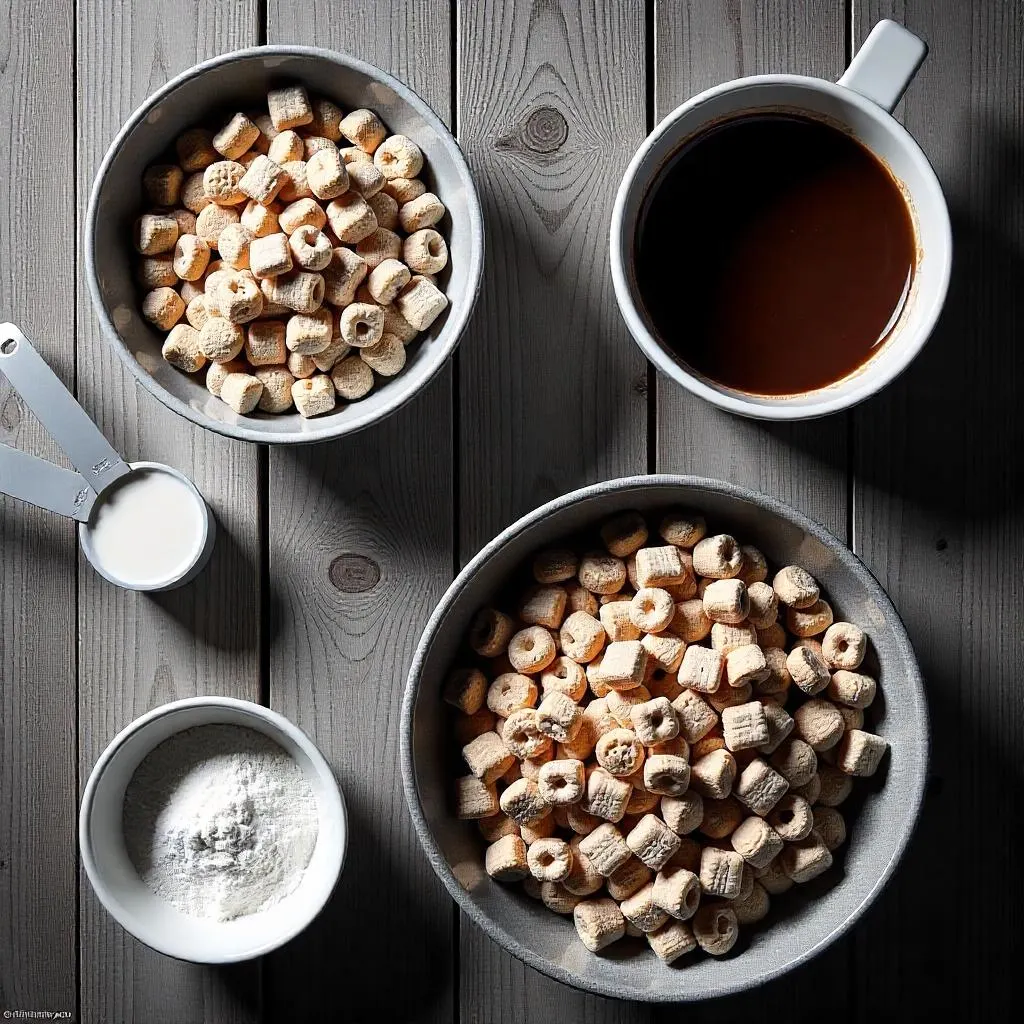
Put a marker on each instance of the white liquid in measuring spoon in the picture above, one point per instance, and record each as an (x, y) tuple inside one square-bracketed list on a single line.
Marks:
[(148, 530)]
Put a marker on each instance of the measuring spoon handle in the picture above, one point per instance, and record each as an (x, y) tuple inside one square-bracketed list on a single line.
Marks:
[(55, 407), (41, 483)]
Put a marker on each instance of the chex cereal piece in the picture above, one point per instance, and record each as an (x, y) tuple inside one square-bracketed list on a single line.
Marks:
[(162, 183), (721, 817), (522, 735), (658, 567), (717, 557), (422, 212), (155, 233), (606, 796), (628, 879), (364, 129), (195, 150), (496, 826), (599, 923), (505, 860), (619, 752), (696, 717), (582, 636), (756, 841), (181, 349), (559, 717), (605, 848), (778, 680), (844, 645), (313, 396), (523, 803), (854, 689), (364, 177), (617, 620), (745, 665), (752, 907), (806, 858), (772, 878), (289, 107), (745, 726), (220, 340), (556, 897), (712, 775), (265, 346), (754, 568), (309, 333), (671, 941), (682, 528), (819, 724), (684, 813), (808, 669), (829, 824), (810, 621), (624, 664), (510, 692), (474, 798), (550, 860), (726, 638), (860, 753), (691, 622), (701, 669), (561, 781), (642, 911), (652, 841), (796, 587), (301, 291), (726, 601), (780, 725), (270, 255), (157, 272), (220, 182), (834, 785), (760, 787), (286, 147), (580, 820), (763, 603), (721, 872), (664, 652), (583, 878), (654, 721), (796, 761), (730, 696)]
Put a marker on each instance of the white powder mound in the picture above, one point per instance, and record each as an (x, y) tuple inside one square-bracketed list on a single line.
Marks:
[(220, 821)]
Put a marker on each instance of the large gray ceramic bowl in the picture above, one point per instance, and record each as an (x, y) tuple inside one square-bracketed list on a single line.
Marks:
[(803, 921), (218, 87)]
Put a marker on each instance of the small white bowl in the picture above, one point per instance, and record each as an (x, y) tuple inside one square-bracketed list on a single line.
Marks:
[(154, 921)]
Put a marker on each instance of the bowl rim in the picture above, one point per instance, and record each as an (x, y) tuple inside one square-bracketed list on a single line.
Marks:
[(918, 763), (336, 810), (452, 331)]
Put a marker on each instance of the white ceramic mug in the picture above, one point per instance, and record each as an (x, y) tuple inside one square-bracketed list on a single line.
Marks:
[(861, 102)]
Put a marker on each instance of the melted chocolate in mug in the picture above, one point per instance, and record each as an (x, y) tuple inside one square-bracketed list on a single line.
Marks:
[(774, 254)]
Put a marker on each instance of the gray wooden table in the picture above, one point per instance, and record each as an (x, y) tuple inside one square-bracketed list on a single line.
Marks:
[(332, 557)]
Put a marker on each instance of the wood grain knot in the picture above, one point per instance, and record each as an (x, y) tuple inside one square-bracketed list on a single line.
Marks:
[(352, 574), (546, 130)]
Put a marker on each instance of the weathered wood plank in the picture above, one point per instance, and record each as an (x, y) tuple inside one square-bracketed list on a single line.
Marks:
[(552, 393), (137, 652), (381, 502), (937, 517), (699, 45), (37, 550)]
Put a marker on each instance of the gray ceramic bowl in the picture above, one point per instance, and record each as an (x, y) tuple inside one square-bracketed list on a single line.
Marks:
[(240, 80), (803, 921)]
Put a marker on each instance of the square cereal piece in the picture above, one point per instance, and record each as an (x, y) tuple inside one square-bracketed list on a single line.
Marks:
[(652, 841), (701, 669), (475, 799), (641, 910), (860, 753), (262, 180), (598, 923), (696, 716), (487, 757), (759, 787), (617, 622), (544, 606), (624, 664), (671, 941), (726, 638), (721, 872), (505, 860), (605, 796), (745, 726), (658, 567), (744, 665), (289, 107), (664, 651), (605, 849)]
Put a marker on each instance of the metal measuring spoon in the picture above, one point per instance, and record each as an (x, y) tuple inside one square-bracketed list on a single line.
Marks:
[(104, 485)]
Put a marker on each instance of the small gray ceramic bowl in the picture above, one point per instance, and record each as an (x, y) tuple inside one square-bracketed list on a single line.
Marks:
[(220, 86), (803, 921)]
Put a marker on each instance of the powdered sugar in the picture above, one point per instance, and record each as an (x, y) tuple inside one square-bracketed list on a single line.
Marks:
[(220, 821)]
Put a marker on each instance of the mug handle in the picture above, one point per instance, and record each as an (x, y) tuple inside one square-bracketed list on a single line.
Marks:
[(885, 64)]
